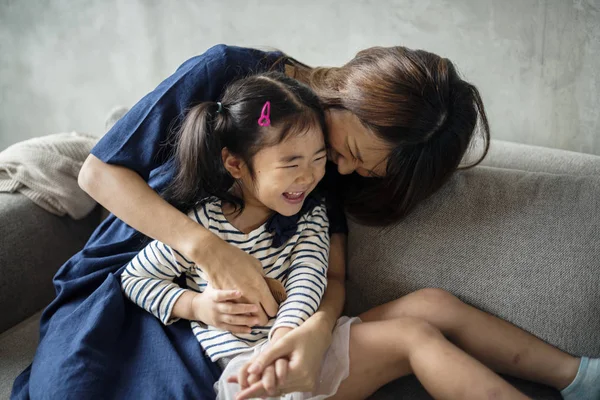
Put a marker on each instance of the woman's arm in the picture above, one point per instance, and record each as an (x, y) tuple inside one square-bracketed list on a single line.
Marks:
[(127, 195)]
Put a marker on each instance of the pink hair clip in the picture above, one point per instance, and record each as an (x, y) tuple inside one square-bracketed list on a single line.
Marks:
[(264, 120)]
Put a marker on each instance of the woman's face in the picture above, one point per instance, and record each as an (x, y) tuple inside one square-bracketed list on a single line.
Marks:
[(353, 147)]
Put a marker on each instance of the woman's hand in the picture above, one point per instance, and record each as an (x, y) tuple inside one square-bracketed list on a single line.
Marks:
[(230, 268), (303, 349), (218, 308)]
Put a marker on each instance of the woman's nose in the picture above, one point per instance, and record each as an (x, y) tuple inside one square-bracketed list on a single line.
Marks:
[(344, 167)]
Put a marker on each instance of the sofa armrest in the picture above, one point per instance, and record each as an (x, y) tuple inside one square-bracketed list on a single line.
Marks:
[(33, 245)]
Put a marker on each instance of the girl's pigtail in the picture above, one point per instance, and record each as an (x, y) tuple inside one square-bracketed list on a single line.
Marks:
[(199, 170)]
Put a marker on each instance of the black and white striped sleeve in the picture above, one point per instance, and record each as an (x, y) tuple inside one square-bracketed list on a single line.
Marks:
[(307, 278)]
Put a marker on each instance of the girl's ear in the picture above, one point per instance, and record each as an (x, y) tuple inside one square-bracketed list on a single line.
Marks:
[(233, 164)]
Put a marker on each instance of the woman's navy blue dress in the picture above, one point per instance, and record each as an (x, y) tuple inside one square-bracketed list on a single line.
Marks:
[(94, 343)]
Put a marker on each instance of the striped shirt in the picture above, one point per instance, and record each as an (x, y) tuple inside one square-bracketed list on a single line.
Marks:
[(300, 264)]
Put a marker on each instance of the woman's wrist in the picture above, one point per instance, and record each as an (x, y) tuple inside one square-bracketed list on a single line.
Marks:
[(199, 244), (321, 322), (280, 332)]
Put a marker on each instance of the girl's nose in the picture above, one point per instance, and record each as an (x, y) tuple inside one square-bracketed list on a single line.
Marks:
[(306, 178)]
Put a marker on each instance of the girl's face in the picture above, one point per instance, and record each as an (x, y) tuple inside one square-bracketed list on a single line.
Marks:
[(353, 147), (286, 173)]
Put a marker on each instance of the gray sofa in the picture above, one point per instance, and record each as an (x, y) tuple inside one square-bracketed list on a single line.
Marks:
[(518, 237)]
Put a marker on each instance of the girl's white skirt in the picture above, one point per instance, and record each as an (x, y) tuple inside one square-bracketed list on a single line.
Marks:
[(334, 369)]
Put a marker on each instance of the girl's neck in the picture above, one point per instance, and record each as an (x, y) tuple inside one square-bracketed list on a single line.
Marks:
[(253, 216)]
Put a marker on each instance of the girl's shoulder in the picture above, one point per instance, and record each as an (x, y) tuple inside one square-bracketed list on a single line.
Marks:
[(206, 210), (316, 210)]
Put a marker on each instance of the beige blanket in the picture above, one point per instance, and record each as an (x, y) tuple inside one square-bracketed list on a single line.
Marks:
[(45, 169)]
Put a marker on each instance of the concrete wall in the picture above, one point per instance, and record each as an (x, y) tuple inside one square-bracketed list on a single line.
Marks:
[(65, 64)]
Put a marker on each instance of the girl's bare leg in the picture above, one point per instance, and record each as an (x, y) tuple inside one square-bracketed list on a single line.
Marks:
[(498, 344), (383, 351)]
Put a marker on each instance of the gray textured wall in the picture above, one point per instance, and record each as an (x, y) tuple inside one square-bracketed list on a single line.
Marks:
[(65, 64)]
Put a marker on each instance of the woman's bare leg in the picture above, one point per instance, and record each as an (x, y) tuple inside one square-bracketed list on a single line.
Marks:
[(498, 344), (383, 351)]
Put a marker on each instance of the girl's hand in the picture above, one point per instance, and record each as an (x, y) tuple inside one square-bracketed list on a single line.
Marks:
[(272, 377), (219, 309), (303, 348), (230, 268)]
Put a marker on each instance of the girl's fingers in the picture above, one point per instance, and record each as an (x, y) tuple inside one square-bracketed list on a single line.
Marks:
[(279, 349), (268, 380), (226, 295), (234, 328), (236, 308), (255, 390), (245, 320), (243, 376), (281, 367), (253, 378)]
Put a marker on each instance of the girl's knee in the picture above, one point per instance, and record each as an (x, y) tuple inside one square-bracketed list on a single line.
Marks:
[(415, 331), (436, 297)]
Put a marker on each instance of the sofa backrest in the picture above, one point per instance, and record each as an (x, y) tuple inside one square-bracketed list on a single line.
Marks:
[(524, 246)]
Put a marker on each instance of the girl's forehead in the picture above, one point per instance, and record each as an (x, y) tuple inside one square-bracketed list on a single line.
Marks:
[(304, 143), (304, 139)]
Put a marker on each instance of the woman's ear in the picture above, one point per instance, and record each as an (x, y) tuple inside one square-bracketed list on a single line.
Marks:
[(233, 164)]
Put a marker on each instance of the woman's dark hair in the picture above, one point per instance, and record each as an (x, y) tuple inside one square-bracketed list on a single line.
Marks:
[(205, 131), (417, 103)]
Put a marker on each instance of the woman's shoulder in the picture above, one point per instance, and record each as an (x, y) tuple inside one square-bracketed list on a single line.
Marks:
[(234, 59)]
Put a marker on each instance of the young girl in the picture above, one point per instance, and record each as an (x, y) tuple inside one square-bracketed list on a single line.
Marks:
[(245, 170)]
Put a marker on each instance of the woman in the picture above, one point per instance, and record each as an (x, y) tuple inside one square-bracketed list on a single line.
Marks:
[(399, 121)]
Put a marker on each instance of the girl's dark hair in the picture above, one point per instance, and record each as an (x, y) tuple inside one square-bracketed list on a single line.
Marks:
[(418, 104), (205, 131)]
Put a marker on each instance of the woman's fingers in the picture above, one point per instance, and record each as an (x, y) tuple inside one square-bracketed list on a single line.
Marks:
[(226, 295), (267, 300)]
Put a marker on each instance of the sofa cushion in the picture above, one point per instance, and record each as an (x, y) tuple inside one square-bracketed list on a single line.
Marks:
[(17, 347), (33, 245), (524, 246)]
